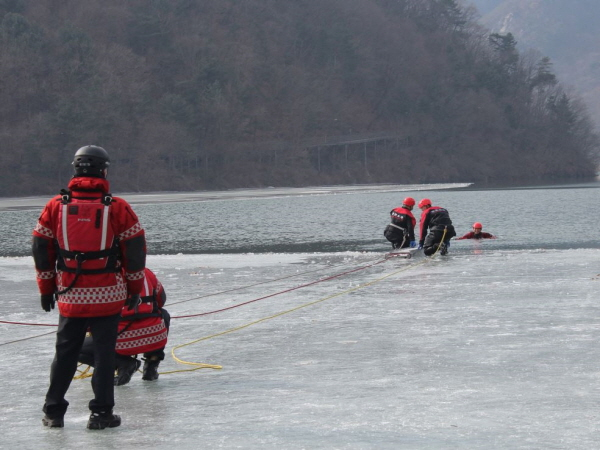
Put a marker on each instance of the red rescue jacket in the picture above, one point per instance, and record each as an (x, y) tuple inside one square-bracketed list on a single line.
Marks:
[(90, 248), (142, 329)]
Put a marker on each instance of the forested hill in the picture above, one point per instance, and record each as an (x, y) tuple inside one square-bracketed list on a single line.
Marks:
[(213, 94), (567, 31)]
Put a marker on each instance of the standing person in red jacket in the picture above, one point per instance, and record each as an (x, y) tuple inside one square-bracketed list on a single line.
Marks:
[(89, 251), (437, 221), (142, 329), (401, 231), (477, 233)]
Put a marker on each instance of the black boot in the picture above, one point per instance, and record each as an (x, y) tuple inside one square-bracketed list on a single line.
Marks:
[(150, 372), (125, 369), (101, 420), (53, 422)]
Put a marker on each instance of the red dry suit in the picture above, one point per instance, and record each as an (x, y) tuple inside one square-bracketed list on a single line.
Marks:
[(143, 329), (480, 235), (90, 248)]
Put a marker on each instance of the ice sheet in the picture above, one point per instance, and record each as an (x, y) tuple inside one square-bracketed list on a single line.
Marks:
[(483, 349)]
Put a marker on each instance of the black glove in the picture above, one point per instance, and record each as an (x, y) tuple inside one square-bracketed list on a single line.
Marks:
[(132, 301), (47, 302)]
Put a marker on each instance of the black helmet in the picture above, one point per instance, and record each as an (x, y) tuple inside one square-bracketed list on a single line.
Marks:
[(90, 161)]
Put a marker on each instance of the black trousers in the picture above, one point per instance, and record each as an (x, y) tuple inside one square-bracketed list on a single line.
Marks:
[(397, 237), (434, 239), (69, 340)]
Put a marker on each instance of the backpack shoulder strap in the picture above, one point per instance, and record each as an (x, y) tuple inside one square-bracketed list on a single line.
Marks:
[(66, 196)]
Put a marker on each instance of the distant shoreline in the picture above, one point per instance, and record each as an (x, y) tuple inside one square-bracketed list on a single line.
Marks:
[(37, 202)]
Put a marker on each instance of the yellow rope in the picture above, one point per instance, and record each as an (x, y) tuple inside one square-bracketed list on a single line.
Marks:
[(441, 242), (85, 373), (197, 366), (264, 319)]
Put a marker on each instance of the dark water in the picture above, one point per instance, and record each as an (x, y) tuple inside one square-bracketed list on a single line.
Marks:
[(342, 219)]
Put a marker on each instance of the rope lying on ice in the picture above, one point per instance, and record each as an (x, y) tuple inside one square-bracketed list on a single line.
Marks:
[(182, 301), (201, 365), (245, 287), (198, 366), (27, 338), (264, 319), (357, 269), (386, 258)]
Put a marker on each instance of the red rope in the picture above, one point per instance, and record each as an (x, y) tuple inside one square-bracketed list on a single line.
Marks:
[(244, 287), (388, 256), (27, 338), (288, 290), (32, 324)]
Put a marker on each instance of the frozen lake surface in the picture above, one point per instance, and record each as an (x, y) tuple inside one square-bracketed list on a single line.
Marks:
[(325, 343), (478, 350)]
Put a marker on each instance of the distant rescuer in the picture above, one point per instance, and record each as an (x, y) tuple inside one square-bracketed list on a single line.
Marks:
[(89, 251), (477, 233), (437, 221), (401, 231)]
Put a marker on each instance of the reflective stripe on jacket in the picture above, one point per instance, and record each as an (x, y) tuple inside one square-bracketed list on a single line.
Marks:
[(101, 288)]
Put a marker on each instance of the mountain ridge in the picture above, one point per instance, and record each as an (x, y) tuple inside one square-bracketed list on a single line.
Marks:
[(567, 32)]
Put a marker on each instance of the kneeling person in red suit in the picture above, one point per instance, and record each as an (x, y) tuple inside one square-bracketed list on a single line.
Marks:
[(143, 329)]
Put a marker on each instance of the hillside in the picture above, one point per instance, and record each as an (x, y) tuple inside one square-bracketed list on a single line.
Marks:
[(567, 31), (222, 94)]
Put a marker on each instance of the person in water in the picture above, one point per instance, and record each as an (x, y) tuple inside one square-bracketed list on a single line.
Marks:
[(477, 233)]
